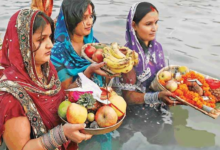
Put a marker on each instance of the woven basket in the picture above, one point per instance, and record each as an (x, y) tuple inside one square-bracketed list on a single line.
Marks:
[(156, 86), (105, 68), (100, 130)]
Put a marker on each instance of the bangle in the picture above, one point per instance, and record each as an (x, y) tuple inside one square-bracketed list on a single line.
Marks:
[(54, 138), (151, 98)]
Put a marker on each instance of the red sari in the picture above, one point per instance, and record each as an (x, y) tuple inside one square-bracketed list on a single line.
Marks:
[(21, 92)]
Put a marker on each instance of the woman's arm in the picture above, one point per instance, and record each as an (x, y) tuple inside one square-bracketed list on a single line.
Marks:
[(17, 134), (133, 97)]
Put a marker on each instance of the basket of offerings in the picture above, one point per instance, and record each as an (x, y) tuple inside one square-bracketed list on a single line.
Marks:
[(118, 59), (190, 87), (100, 115)]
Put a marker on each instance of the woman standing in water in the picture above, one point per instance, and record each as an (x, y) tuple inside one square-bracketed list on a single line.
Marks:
[(141, 28), (73, 30), (148, 113), (30, 91)]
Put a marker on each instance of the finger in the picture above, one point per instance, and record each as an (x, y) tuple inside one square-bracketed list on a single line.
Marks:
[(88, 136), (102, 73), (100, 65), (168, 101), (78, 126)]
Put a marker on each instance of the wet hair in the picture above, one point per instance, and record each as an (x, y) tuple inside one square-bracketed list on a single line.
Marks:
[(41, 20), (74, 10), (142, 9)]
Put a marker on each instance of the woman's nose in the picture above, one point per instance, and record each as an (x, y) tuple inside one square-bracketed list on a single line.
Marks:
[(49, 44)]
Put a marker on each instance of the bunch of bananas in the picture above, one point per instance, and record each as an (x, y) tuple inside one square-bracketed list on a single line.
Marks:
[(119, 59)]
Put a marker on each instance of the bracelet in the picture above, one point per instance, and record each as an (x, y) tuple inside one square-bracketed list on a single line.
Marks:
[(54, 138), (151, 98)]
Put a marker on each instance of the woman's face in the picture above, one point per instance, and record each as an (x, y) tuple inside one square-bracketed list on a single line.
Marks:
[(42, 39), (146, 29), (84, 27)]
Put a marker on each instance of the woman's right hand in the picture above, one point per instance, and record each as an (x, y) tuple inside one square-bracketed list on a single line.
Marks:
[(165, 97), (72, 132)]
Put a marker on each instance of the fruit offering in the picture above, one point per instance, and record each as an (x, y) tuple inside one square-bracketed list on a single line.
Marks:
[(92, 112), (118, 59), (190, 87)]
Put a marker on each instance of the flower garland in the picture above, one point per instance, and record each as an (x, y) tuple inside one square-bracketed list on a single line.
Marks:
[(192, 97)]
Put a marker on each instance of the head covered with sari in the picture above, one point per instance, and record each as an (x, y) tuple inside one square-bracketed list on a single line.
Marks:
[(67, 62), (152, 61), (21, 91), (45, 6)]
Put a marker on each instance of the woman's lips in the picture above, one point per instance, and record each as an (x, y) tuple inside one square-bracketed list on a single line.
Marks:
[(48, 53), (88, 29)]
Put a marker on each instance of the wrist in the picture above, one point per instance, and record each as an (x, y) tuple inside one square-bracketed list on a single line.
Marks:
[(88, 72)]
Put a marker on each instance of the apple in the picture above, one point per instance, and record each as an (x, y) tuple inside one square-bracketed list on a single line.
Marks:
[(76, 113), (120, 103), (171, 85), (97, 56), (90, 50), (183, 69), (62, 109), (106, 116), (91, 117), (165, 75)]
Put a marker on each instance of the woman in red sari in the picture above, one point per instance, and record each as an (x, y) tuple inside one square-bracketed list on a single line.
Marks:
[(30, 91)]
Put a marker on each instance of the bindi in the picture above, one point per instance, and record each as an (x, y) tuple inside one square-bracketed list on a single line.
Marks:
[(89, 10)]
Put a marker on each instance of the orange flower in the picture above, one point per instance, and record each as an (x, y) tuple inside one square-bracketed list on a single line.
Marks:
[(194, 98)]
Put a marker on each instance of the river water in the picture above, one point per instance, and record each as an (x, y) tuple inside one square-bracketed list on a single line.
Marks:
[(189, 31)]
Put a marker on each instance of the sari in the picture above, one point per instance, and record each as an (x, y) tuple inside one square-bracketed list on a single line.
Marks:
[(63, 56), (21, 92), (149, 63), (68, 64), (45, 6)]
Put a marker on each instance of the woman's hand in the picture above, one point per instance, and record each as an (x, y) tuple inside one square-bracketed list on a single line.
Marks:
[(72, 132), (165, 97), (95, 68)]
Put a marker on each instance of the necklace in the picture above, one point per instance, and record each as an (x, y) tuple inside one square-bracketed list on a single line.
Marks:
[(41, 77)]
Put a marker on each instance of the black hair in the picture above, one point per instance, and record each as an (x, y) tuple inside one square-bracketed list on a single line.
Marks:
[(40, 21), (142, 9), (74, 10)]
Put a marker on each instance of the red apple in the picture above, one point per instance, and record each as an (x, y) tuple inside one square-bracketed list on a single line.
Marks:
[(106, 116), (97, 56), (90, 50)]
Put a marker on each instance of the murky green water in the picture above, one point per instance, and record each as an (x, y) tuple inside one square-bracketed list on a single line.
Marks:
[(189, 32)]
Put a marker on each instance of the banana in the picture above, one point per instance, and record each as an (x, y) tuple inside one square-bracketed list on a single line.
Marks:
[(117, 65), (116, 52), (123, 70)]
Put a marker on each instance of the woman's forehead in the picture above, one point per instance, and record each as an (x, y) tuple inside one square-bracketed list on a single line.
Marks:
[(151, 16), (88, 10)]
